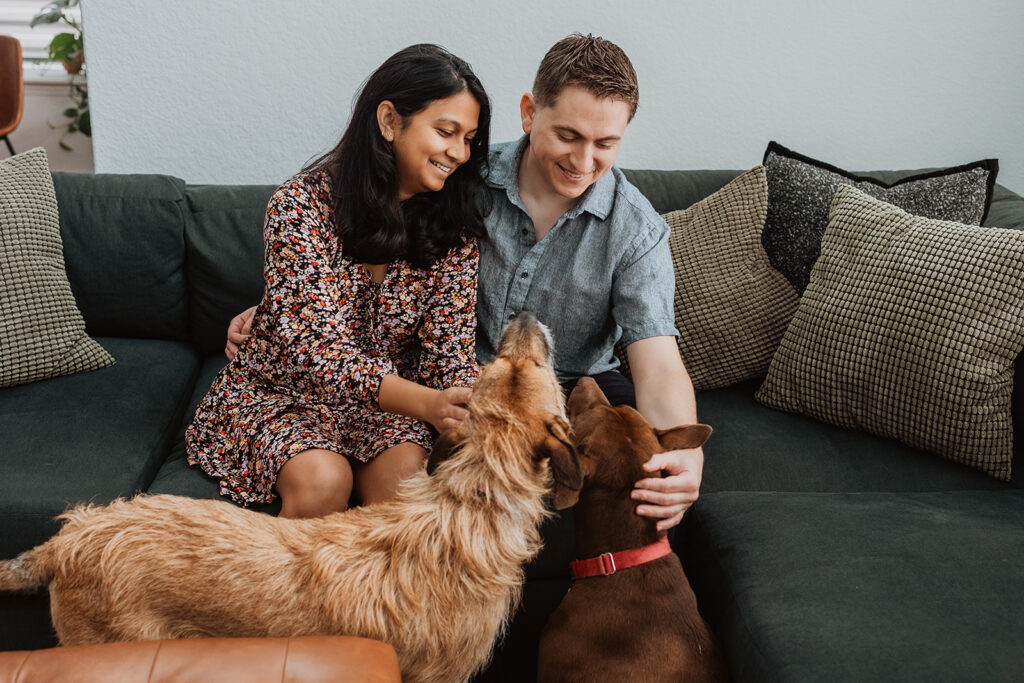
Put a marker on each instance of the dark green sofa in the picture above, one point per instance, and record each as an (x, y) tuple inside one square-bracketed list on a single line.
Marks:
[(816, 553)]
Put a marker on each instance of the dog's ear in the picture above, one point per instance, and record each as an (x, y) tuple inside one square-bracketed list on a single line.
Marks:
[(683, 437), (445, 447), (565, 464), (584, 396)]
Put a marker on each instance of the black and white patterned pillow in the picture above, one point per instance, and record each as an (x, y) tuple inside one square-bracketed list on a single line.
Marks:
[(42, 333), (800, 190), (909, 329)]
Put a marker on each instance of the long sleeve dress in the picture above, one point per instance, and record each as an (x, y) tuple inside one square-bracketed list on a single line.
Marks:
[(322, 338)]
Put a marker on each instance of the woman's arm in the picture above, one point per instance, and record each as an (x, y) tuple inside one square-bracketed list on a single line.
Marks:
[(448, 332), (443, 409)]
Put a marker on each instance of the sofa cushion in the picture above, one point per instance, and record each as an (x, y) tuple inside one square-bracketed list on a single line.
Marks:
[(89, 437), (124, 244), (224, 239), (800, 190), (756, 448), (909, 329), (42, 333), (895, 587)]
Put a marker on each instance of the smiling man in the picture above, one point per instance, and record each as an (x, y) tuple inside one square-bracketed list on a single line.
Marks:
[(573, 241)]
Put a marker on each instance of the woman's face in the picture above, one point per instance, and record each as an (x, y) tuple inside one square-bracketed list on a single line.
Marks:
[(434, 142)]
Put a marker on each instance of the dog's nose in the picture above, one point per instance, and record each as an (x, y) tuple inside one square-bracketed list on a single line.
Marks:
[(527, 318)]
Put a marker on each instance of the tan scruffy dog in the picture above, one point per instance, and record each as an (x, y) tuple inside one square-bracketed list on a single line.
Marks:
[(435, 572)]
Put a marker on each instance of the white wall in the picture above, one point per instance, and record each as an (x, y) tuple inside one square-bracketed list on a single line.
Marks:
[(218, 92)]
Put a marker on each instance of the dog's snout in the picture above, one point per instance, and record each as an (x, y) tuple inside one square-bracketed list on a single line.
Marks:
[(525, 335)]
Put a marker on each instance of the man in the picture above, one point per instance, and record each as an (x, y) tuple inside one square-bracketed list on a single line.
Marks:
[(573, 241)]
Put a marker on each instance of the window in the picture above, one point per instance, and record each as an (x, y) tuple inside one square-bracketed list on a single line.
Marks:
[(15, 16)]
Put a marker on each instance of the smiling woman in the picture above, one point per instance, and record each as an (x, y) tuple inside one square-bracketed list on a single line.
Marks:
[(364, 339)]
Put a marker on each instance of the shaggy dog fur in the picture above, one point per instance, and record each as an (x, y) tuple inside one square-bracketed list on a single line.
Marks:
[(640, 623), (435, 572)]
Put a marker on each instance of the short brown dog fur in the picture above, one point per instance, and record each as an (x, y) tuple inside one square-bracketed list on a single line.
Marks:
[(435, 571), (640, 623)]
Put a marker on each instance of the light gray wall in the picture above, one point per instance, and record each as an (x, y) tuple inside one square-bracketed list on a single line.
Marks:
[(219, 92)]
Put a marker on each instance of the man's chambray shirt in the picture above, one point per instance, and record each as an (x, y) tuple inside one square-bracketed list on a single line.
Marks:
[(603, 271)]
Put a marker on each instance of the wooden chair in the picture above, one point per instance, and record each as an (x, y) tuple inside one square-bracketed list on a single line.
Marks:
[(12, 88)]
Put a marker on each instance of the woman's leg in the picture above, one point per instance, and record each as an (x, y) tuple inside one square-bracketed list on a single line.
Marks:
[(314, 483), (378, 479)]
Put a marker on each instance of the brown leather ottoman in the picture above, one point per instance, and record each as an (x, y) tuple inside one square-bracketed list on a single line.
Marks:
[(336, 659)]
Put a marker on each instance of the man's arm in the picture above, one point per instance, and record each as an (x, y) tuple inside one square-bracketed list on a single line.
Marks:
[(238, 331), (664, 396)]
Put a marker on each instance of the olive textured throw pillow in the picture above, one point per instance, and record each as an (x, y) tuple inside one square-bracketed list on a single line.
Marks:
[(800, 190), (42, 333), (731, 306), (908, 329)]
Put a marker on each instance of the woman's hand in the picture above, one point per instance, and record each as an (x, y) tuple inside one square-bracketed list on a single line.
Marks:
[(448, 408), (238, 331)]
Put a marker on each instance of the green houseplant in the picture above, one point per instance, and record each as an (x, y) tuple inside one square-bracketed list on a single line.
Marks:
[(69, 49)]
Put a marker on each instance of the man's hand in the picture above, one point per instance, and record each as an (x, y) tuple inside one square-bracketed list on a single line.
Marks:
[(667, 498), (448, 409), (238, 331)]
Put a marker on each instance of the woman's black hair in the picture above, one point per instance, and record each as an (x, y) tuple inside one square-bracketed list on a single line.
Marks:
[(373, 225)]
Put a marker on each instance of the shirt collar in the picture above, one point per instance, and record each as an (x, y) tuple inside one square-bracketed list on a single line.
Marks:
[(503, 173)]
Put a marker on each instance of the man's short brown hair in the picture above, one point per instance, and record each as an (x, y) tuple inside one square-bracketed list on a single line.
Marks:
[(597, 65)]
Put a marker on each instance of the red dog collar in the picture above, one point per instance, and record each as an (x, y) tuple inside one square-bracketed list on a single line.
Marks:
[(609, 563)]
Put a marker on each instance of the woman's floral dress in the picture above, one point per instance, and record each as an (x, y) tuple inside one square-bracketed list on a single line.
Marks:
[(322, 338)]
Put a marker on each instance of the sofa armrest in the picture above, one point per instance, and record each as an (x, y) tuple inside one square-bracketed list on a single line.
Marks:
[(308, 658)]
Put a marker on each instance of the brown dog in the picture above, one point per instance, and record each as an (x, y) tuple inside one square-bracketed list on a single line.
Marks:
[(632, 618), (435, 571)]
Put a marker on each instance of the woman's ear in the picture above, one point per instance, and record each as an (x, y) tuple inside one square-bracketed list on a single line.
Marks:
[(388, 120)]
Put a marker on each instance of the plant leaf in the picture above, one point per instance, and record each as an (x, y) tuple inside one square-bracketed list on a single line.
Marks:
[(71, 112), (85, 124), (49, 15)]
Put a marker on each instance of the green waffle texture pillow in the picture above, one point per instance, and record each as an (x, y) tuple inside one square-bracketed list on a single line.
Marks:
[(42, 332), (909, 328)]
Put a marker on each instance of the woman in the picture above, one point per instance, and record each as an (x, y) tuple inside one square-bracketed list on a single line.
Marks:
[(365, 332)]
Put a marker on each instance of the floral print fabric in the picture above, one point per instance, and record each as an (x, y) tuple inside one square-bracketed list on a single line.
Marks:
[(322, 338)]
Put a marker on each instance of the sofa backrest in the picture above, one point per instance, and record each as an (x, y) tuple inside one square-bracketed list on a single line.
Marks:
[(124, 248), (224, 256)]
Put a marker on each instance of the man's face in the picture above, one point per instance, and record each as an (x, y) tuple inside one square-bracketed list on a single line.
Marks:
[(574, 142)]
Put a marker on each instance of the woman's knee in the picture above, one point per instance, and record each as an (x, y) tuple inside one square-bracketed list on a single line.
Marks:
[(378, 479), (314, 483)]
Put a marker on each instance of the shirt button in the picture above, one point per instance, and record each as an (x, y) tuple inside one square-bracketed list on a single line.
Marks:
[(524, 275), (525, 232), (511, 316)]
